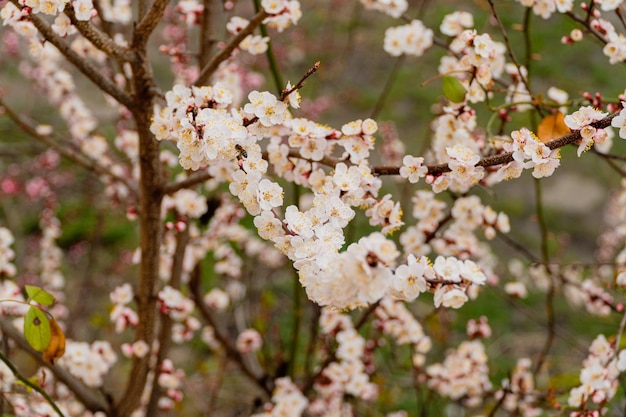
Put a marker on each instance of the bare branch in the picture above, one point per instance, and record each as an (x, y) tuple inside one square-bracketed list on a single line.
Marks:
[(99, 39), (285, 93), (151, 195), (165, 332), (73, 155), (190, 181), (230, 350), (207, 31), (223, 55), (80, 63), (144, 28)]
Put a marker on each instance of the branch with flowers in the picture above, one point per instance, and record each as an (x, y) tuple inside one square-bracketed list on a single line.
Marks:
[(217, 206)]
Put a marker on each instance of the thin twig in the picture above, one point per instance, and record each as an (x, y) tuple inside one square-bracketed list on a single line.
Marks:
[(285, 93), (384, 94), (509, 49), (231, 352), (73, 155), (519, 247), (165, 332), (31, 384), (620, 331), (545, 256), (223, 55), (89, 398), (269, 52), (193, 179)]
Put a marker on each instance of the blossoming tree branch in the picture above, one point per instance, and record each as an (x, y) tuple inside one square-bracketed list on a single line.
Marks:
[(280, 270)]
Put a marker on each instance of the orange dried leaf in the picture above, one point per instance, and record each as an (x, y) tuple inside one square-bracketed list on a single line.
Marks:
[(56, 347), (552, 127)]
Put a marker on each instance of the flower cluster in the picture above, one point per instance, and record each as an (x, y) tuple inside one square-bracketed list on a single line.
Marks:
[(598, 377), (615, 48), (411, 39), (413, 168), (50, 254), (255, 44), (283, 13), (82, 8), (47, 71), (348, 374), (545, 8), (310, 138), (385, 213), (455, 126), (354, 278), (474, 58), (455, 278), (173, 303), (518, 393), (528, 152), (395, 320), (358, 139), (89, 362), (463, 375), (428, 211), (170, 380), (455, 23), (122, 315), (117, 11), (581, 120), (185, 203), (7, 268), (10, 291), (394, 8), (464, 172), (287, 400), (469, 214)]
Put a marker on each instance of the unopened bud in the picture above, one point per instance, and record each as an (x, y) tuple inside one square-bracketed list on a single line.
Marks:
[(576, 35)]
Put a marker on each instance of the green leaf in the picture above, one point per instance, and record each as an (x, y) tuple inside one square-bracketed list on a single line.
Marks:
[(39, 295), (453, 89), (37, 329)]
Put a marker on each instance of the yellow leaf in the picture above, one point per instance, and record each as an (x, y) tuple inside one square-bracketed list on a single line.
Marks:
[(552, 127), (56, 348)]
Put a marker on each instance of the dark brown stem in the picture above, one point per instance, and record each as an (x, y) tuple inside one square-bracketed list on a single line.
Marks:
[(549, 303), (503, 158), (223, 55), (285, 93), (207, 32), (165, 332), (509, 49), (80, 63), (194, 179), (231, 352), (151, 195), (148, 22), (382, 98), (99, 39)]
